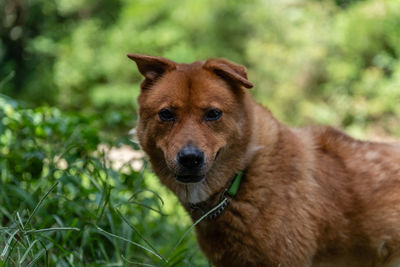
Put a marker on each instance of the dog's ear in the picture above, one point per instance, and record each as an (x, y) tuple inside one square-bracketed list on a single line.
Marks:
[(229, 71), (152, 67)]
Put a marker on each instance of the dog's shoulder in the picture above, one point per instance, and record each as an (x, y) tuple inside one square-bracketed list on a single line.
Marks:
[(327, 136), (331, 139), (355, 153)]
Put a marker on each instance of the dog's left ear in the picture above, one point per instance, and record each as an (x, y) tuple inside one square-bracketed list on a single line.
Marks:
[(229, 71)]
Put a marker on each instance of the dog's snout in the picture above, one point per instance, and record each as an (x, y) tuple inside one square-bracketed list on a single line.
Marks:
[(190, 157)]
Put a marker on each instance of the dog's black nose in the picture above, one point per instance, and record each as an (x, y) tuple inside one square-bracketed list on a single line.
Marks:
[(190, 157)]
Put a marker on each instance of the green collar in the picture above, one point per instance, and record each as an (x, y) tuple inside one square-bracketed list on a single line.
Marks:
[(234, 188), (211, 212)]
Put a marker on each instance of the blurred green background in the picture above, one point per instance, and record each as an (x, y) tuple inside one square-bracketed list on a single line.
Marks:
[(329, 62), (68, 91)]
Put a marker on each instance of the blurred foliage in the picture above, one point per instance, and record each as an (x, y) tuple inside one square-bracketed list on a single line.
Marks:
[(64, 203), (329, 62), (331, 66)]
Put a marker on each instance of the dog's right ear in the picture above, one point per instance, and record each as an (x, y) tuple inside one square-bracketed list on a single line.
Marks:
[(151, 67)]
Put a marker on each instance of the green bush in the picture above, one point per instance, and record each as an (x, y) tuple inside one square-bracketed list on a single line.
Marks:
[(327, 62), (63, 202)]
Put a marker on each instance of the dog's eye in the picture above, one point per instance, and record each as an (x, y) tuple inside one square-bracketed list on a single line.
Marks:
[(166, 115), (213, 114)]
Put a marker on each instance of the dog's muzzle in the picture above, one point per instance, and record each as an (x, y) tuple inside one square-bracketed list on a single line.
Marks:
[(190, 161)]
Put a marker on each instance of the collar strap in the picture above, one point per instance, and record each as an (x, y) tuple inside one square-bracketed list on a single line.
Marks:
[(200, 209), (234, 188)]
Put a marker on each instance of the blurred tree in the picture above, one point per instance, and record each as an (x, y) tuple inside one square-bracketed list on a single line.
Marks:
[(333, 62), (94, 57), (30, 33), (11, 33)]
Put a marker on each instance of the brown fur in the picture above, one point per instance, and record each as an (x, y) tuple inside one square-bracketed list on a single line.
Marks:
[(310, 197)]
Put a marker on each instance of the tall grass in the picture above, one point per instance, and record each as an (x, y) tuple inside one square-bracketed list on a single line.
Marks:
[(63, 202)]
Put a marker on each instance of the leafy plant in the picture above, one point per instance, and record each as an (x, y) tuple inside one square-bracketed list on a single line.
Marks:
[(63, 202)]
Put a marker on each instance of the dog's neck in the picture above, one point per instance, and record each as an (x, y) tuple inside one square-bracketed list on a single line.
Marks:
[(212, 207)]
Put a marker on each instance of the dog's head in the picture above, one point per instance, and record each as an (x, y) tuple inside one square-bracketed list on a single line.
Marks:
[(191, 117)]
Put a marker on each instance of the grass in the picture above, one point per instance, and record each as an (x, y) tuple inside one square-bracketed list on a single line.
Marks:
[(64, 203), (135, 235)]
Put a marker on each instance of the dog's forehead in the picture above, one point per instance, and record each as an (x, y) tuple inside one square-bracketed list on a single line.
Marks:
[(190, 67), (189, 84)]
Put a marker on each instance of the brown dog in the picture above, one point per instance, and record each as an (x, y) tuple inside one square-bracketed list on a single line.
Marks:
[(307, 197)]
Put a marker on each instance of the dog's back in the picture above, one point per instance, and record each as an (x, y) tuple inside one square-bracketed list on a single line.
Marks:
[(359, 189), (370, 190)]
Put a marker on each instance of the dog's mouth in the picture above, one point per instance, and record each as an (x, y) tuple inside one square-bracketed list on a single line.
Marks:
[(189, 179), (217, 154)]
